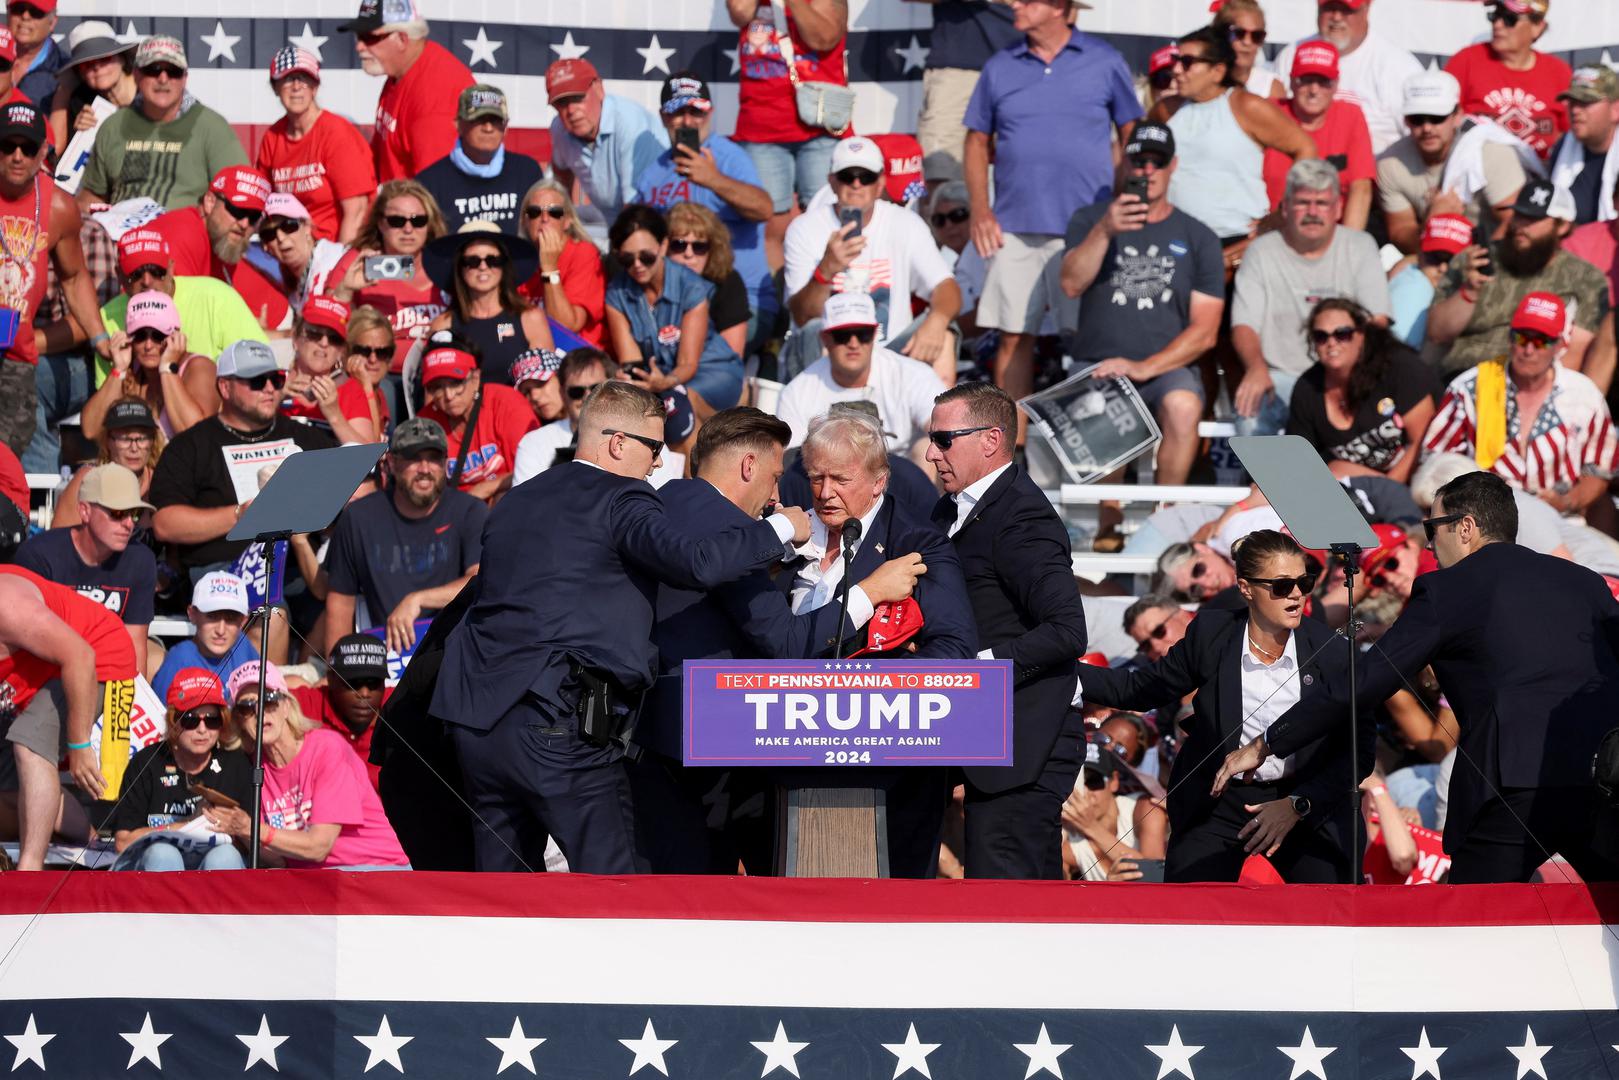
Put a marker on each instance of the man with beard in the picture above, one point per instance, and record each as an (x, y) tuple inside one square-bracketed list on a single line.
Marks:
[(212, 238), (1474, 302), (406, 552)]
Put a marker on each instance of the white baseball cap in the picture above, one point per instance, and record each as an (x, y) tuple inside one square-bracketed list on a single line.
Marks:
[(848, 309), (1431, 93), (220, 591), (857, 153)]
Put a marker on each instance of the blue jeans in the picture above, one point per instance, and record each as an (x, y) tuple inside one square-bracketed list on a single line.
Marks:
[(163, 857), (1271, 419), (63, 385), (788, 167)]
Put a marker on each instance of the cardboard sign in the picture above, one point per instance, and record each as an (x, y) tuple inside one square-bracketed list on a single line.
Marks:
[(847, 712), (1091, 426), (398, 660)]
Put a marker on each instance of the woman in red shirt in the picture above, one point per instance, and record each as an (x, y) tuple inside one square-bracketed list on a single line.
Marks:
[(317, 156), (454, 392), (319, 390), (570, 282), (1338, 128), (1510, 82)]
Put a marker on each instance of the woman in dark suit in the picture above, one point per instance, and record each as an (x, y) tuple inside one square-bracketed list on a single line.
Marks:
[(1248, 667)]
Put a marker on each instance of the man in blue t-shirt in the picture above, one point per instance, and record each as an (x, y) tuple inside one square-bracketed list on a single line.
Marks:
[(1151, 283), (966, 33), (219, 611), (720, 176)]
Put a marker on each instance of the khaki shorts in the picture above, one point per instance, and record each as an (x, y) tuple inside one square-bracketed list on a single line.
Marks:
[(945, 94), (42, 726), (1023, 281)]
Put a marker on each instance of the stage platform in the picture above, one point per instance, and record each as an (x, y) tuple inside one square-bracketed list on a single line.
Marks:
[(327, 974)]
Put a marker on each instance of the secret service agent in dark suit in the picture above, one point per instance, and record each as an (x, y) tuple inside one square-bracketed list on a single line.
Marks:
[(1018, 563), (696, 820), (572, 560), (1526, 649)]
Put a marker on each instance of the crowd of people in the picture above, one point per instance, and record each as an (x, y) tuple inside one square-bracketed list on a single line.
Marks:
[(1414, 269)]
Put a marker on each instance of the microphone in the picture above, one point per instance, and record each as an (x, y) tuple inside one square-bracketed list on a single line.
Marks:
[(851, 536)]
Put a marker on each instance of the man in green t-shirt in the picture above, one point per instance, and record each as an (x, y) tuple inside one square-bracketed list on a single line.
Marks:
[(166, 146)]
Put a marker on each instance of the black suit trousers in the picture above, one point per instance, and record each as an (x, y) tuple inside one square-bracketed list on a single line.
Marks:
[(1211, 850), (1520, 828), (531, 775), (1017, 833)]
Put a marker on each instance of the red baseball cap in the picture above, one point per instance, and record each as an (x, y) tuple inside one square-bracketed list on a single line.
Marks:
[(194, 687), (328, 312), (1094, 659), (892, 625), (241, 186), (1163, 58), (566, 78), (1316, 58), (8, 44), (143, 247), (902, 174), (1352, 5), (1447, 232), (1543, 312), (446, 362)]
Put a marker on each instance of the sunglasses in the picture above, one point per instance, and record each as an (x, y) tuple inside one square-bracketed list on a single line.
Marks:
[(1505, 17), (696, 247), (1435, 258), (1431, 525), (373, 352), (399, 221), (1157, 633), (372, 40), (365, 684), (1282, 587), (248, 706), (277, 379), (1237, 33), (28, 10), (270, 230), (627, 259), (853, 177), (1189, 60), (148, 336), (556, 212), (119, 515), (654, 445), (151, 270), (157, 71), (946, 439), (1416, 120), (954, 217), (1387, 567), (579, 393), (189, 721), (10, 147), (1343, 335), (1532, 339), (844, 335), (241, 213), (479, 262), (322, 335)]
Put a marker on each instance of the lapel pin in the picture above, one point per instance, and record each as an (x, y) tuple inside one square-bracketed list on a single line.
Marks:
[(879, 549), (1308, 679)]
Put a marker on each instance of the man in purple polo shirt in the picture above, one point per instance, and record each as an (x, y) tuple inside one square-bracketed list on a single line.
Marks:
[(1049, 103)]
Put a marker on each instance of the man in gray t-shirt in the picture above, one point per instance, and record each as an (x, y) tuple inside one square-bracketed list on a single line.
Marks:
[(1283, 276), (1152, 283)]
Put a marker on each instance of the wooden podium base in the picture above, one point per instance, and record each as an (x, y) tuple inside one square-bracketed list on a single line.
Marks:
[(832, 832)]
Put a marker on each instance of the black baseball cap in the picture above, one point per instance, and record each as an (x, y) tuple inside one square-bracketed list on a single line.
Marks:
[(375, 14), (1151, 139), (19, 119), (358, 656), (129, 413), (682, 89)]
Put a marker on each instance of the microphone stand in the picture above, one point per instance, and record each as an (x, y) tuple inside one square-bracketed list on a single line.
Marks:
[(1349, 556), (851, 536)]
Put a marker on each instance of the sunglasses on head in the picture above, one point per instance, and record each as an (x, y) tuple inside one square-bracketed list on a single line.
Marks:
[(696, 247), (323, 335), (627, 259), (189, 721), (156, 71), (146, 335), (531, 212), (1237, 33), (844, 335), (150, 270), (1532, 339), (1343, 335), (852, 177), (1416, 120), (248, 706), (242, 213), (654, 445), (399, 221), (954, 217), (1430, 526), (271, 229), (946, 439), (277, 379), (1282, 587), (373, 352), (579, 393), (479, 262)]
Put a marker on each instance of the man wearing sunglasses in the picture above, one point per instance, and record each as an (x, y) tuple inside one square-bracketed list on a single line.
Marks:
[(416, 109), (582, 370), (1017, 558), (1374, 69), (350, 699), (571, 562), (210, 471), (481, 178), (1533, 691), (39, 59), (405, 552), (167, 145), (1508, 80)]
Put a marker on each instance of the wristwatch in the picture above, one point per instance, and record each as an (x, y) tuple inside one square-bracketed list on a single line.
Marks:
[(551, 277), (1301, 805)]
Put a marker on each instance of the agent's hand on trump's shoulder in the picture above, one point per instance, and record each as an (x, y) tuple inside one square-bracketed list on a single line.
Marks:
[(895, 579), (1244, 760), (800, 522)]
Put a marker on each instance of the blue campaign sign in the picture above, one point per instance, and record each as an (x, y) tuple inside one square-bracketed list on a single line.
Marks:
[(847, 712)]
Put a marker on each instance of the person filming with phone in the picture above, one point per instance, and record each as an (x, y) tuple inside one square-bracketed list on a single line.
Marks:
[(1148, 317)]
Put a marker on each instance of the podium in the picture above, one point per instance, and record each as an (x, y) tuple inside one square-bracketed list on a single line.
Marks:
[(823, 726)]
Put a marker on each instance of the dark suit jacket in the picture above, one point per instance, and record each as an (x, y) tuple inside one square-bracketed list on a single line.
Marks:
[(1018, 562), (1209, 660), (948, 632), (570, 569), (1526, 647)]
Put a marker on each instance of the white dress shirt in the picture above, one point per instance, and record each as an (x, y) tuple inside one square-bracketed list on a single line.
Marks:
[(1268, 691), (969, 496), (814, 588)]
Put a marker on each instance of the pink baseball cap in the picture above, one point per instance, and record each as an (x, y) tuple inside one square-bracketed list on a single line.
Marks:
[(152, 310), (283, 205), (246, 677)]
